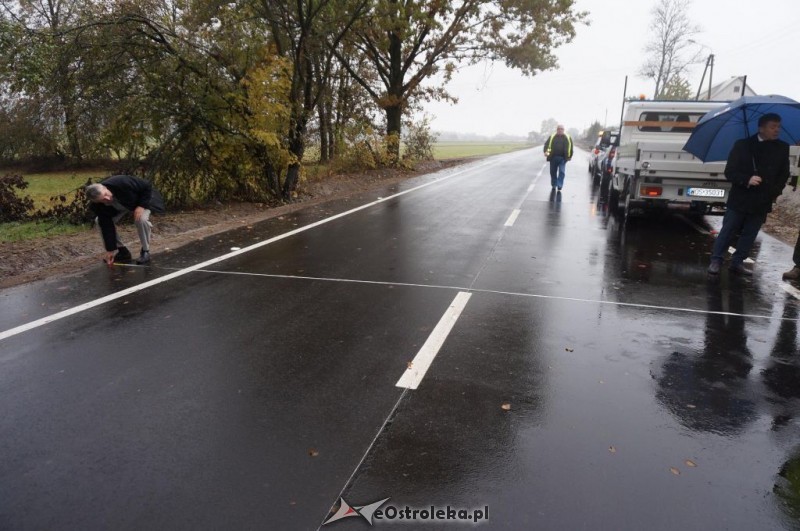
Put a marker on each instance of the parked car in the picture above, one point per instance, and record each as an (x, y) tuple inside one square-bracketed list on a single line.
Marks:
[(593, 157), (605, 159), (605, 140)]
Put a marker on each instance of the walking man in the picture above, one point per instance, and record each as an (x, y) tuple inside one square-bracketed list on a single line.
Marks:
[(558, 150), (116, 196), (758, 167)]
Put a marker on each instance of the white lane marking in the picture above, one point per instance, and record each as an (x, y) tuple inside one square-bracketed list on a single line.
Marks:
[(422, 361), (496, 292), (512, 218), (791, 290), (124, 293)]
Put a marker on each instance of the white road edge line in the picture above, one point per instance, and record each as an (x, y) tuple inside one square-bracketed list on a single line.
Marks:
[(124, 293), (791, 290), (422, 361), (513, 217)]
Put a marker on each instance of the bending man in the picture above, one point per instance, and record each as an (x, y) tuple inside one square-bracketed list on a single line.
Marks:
[(116, 196)]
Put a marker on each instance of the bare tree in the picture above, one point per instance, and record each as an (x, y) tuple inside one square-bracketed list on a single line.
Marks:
[(671, 49)]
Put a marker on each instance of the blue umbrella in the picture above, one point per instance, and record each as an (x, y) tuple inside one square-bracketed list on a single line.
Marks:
[(717, 131)]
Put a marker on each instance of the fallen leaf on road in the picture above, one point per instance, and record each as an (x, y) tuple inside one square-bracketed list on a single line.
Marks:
[(612, 449), (691, 406), (569, 349), (690, 463), (313, 452), (675, 471), (506, 407), (410, 364)]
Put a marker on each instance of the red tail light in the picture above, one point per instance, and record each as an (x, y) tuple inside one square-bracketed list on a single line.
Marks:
[(651, 191)]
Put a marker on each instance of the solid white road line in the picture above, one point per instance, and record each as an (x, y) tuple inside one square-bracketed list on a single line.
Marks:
[(124, 293), (512, 218), (791, 290), (422, 361)]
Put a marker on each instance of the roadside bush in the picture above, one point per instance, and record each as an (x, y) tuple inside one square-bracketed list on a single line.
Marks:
[(13, 207), (419, 141), (360, 149), (68, 209)]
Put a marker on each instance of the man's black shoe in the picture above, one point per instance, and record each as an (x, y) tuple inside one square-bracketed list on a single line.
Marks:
[(714, 267), (740, 269), (123, 255), (144, 258), (792, 274)]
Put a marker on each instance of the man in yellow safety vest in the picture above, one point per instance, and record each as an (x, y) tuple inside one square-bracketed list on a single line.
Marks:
[(558, 150)]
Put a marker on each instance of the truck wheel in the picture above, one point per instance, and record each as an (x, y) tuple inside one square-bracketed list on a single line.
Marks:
[(604, 182), (624, 199), (613, 198)]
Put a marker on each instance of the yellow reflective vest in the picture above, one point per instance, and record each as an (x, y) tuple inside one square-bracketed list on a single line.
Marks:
[(549, 145)]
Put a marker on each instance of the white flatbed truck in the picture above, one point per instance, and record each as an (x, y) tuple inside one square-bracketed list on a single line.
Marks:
[(651, 169)]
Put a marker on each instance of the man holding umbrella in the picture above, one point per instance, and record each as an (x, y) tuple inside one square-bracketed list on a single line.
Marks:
[(758, 167)]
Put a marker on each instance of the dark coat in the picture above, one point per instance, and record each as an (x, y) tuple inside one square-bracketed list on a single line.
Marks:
[(770, 160), (131, 192)]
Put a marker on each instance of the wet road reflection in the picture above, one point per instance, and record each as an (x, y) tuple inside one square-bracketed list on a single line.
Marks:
[(710, 391)]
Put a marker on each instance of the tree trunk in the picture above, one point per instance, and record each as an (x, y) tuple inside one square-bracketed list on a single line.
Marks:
[(66, 98), (393, 103), (297, 147), (324, 135), (394, 124)]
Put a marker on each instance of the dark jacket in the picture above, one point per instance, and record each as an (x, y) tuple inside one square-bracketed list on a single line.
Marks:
[(131, 192), (558, 146), (770, 160)]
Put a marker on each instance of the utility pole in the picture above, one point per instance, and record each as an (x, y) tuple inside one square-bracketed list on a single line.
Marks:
[(710, 69)]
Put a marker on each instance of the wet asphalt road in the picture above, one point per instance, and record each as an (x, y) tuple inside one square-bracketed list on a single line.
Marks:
[(594, 379)]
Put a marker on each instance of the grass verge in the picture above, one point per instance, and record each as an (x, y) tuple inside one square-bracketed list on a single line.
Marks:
[(453, 150), (43, 186), (16, 231)]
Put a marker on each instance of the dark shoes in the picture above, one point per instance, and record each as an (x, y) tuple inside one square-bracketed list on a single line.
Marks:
[(740, 269), (123, 255), (792, 274), (144, 258), (736, 269)]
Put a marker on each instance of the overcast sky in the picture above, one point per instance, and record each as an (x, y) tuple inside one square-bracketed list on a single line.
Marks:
[(760, 39)]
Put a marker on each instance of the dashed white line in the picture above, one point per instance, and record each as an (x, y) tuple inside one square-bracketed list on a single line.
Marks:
[(422, 361), (512, 218)]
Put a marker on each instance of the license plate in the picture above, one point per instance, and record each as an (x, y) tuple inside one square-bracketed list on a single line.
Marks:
[(705, 192)]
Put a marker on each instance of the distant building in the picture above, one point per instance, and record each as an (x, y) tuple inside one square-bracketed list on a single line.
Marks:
[(727, 90)]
